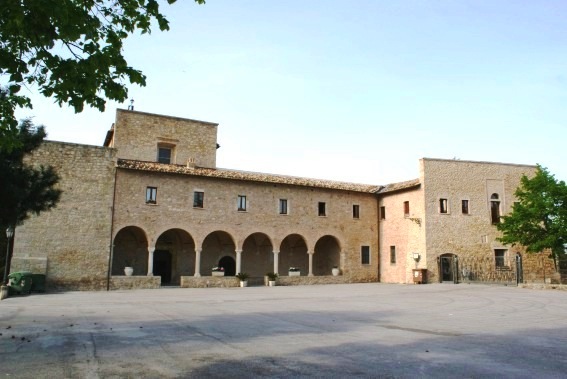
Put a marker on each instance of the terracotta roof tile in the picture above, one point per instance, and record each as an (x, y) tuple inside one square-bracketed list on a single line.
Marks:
[(399, 186)]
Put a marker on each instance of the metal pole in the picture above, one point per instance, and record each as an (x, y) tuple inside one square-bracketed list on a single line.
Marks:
[(9, 234)]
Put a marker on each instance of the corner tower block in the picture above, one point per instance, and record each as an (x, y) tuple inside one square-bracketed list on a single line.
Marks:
[(156, 138)]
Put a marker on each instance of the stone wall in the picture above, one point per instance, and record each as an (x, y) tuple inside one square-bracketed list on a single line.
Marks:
[(473, 234), (74, 237), (134, 282), (137, 136)]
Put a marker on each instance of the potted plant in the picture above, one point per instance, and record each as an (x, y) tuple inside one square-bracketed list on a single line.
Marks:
[(335, 271), (218, 271), (129, 267), (294, 271), (272, 276), (243, 277)]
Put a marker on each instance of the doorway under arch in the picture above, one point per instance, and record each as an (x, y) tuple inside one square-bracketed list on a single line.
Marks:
[(174, 256), (327, 254), (228, 264), (216, 246)]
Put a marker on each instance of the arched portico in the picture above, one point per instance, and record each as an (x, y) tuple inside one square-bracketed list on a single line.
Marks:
[(293, 253), (257, 255), (217, 246), (174, 256), (327, 255), (130, 250)]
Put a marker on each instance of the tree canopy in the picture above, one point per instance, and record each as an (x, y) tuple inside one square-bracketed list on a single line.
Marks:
[(538, 220), (70, 50)]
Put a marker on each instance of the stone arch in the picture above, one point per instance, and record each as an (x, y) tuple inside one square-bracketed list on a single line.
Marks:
[(130, 249), (257, 255), (293, 253), (327, 254), (174, 256), (216, 246)]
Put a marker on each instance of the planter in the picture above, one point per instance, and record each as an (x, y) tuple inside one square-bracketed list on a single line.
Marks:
[(335, 271), (4, 292), (218, 273), (272, 283), (294, 273), (128, 271), (244, 283)]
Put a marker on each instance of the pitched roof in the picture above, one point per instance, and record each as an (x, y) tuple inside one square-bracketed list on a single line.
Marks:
[(245, 175), (399, 186)]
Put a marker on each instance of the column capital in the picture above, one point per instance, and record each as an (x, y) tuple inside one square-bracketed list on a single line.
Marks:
[(238, 251), (276, 252)]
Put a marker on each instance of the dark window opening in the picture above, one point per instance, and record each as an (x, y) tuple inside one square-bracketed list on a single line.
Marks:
[(500, 258), (465, 207), (356, 211), (392, 255), (198, 199), (382, 213), (322, 209), (151, 195), (283, 206), (242, 203), (365, 255), (443, 206), (164, 155), (495, 208), (406, 208)]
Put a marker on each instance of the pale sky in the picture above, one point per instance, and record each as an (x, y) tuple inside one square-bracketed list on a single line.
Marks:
[(354, 90)]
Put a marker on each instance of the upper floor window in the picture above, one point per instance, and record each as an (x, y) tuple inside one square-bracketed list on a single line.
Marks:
[(198, 199), (322, 208), (241, 203), (392, 255), (465, 207), (151, 195), (406, 208), (382, 213), (443, 206), (365, 255), (495, 208), (356, 211), (164, 154), (283, 206)]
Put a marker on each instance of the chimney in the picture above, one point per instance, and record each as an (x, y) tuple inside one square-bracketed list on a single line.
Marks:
[(191, 163)]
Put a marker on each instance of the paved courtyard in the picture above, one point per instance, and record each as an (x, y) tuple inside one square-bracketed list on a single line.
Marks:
[(358, 330)]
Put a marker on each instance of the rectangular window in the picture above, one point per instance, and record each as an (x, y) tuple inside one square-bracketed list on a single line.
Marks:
[(164, 155), (406, 208), (392, 255), (500, 258), (283, 206), (365, 255), (151, 195), (465, 207), (382, 213), (241, 203), (443, 206), (322, 209), (356, 211), (198, 199)]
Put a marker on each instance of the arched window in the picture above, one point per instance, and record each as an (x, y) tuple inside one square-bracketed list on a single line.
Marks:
[(495, 208)]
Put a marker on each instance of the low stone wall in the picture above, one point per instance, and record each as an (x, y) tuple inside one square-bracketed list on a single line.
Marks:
[(134, 282), (310, 280), (231, 281), (541, 286), (209, 281)]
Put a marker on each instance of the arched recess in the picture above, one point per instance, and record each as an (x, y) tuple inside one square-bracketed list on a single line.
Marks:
[(217, 246), (257, 255), (130, 250), (327, 255), (293, 253), (174, 256)]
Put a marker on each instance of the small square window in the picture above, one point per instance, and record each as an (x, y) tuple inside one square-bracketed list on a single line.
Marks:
[(356, 211), (164, 155), (443, 206), (392, 255), (241, 203), (382, 213), (406, 208), (465, 207), (365, 255), (151, 195), (283, 206), (322, 209), (198, 199)]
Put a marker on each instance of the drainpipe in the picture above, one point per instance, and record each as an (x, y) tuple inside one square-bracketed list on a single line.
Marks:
[(111, 245)]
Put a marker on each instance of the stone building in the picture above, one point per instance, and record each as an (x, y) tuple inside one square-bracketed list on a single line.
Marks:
[(153, 199)]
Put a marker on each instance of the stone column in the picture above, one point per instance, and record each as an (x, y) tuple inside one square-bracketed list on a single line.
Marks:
[(151, 260), (197, 263), (276, 261), (238, 261), (310, 263)]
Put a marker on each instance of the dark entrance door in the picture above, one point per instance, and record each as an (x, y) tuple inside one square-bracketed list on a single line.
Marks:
[(447, 268), (229, 265), (162, 265)]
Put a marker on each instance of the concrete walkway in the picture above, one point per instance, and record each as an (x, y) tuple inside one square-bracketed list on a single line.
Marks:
[(332, 331)]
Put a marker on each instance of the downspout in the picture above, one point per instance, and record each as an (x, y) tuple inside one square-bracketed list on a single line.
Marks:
[(111, 245)]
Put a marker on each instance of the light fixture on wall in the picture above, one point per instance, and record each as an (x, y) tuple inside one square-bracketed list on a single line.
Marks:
[(416, 257)]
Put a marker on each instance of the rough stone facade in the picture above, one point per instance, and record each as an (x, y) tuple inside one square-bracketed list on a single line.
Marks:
[(72, 239), (173, 221)]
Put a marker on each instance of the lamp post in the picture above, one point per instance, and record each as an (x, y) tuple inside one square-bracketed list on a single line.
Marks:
[(9, 234)]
